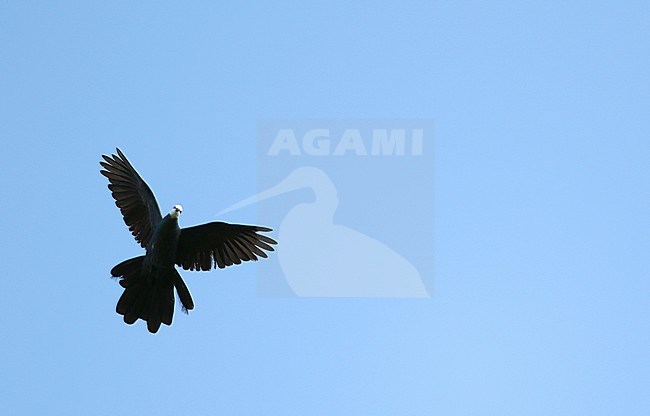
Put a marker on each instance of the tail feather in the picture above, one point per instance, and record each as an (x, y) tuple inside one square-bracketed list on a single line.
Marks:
[(183, 292), (126, 302), (154, 317), (168, 306), (137, 302), (127, 267), (149, 297)]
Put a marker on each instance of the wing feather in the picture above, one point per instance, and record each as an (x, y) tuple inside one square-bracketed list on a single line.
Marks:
[(221, 244), (242, 252), (133, 197)]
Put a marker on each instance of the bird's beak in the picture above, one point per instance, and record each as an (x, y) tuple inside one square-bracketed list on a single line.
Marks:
[(287, 185)]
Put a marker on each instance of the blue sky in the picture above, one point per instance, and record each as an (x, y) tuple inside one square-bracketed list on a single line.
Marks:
[(540, 300)]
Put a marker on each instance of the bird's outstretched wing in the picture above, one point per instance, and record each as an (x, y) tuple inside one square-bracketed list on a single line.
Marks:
[(221, 244), (132, 196)]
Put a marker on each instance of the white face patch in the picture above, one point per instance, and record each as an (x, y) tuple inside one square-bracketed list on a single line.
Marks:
[(176, 211)]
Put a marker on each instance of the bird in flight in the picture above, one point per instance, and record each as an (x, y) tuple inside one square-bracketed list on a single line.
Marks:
[(149, 280)]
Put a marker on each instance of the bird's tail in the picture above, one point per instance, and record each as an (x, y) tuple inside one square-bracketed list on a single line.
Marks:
[(147, 296)]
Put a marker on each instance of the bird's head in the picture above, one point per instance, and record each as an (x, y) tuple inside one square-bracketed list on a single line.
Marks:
[(176, 211)]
